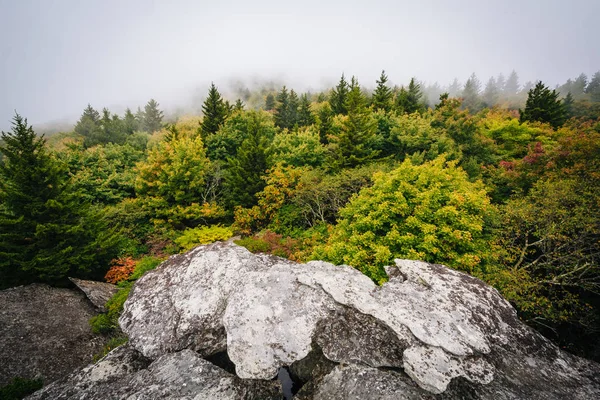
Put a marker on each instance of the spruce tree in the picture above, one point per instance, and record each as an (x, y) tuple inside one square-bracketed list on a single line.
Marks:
[(353, 145), (46, 231), (282, 109), (470, 94), (568, 105), (152, 117), (89, 126), (401, 102), (305, 117), (338, 96), (130, 123), (239, 105), (294, 104), (215, 112), (490, 93), (382, 98), (245, 171), (414, 97), (270, 102), (511, 87), (593, 88), (543, 105)]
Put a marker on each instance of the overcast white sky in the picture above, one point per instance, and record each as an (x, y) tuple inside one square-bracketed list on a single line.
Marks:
[(58, 55)]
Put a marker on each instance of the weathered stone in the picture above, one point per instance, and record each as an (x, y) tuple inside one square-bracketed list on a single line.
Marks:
[(430, 332), (124, 373), (97, 292), (45, 332)]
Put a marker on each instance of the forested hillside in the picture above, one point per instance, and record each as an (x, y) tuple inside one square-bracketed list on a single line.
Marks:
[(498, 180)]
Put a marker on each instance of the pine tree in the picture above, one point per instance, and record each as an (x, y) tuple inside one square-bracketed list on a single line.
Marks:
[(270, 102), (245, 171), (579, 85), (152, 117), (490, 93), (454, 88), (294, 104), (130, 123), (305, 117), (543, 105), (338, 96), (46, 231), (382, 98), (215, 112), (471, 99), (593, 88), (89, 126), (352, 146), (239, 105), (401, 103), (414, 97), (568, 105), (282, 109), (511, 87)]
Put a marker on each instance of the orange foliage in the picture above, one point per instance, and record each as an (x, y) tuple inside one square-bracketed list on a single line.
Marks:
[(121, 269)]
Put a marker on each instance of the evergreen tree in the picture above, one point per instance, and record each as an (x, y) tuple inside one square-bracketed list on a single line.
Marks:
[(46, 232), (470, 94), (112, 128), (130, 123), (305, 117), (568, 105), (511, 87), (338, 96), (414, 97), (454, 88), (270, 102), (152, 121), (215, 112), (500, 83), (282, 109), (89, 126), (579, 85), (324, 121), (246, 170), (382, 98), (353, 145), (401, 103), (543, 105), (239, 105), (593, 88), (490, 93), (293, 108)]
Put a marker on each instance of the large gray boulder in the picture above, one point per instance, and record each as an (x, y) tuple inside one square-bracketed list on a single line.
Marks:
[(430, 332), (125, 374), (44, 332)]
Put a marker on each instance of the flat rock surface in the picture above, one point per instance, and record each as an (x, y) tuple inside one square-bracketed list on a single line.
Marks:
[(44, 331), (97, 292)]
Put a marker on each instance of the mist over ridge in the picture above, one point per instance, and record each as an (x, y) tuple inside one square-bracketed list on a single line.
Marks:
[(58, 57)]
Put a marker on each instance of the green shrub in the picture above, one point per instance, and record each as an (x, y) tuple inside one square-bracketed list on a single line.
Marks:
[(20, 388), (144, 265), (203, 235), (108, 322)]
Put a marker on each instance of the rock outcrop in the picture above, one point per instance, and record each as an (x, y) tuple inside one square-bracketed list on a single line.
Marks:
[(97, 292), (430, 332), (44, 332)]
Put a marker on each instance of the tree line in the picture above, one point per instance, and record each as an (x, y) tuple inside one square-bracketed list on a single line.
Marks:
[(345, 175)]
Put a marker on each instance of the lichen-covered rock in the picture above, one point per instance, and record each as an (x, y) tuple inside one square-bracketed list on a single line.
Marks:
[(97, 292), (430, 332), (45, 332), (126, 374)]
